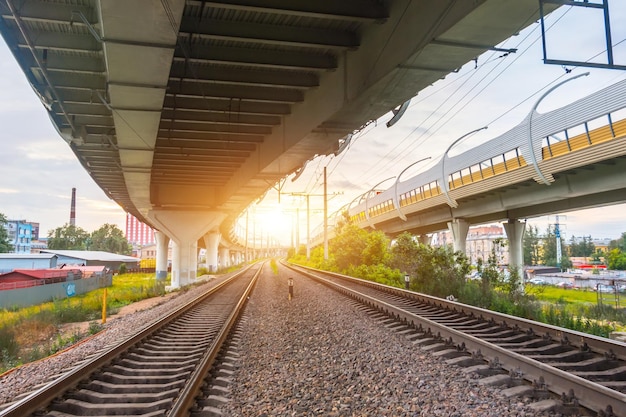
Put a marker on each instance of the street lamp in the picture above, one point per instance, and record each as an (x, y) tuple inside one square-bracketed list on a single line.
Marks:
[(444, 177), (367, 197), (396, 199), (531, 150)]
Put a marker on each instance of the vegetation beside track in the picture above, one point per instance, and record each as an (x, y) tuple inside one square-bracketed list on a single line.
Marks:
[(441, 272), (31, 333)]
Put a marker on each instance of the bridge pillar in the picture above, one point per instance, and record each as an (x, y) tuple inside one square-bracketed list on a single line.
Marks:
[(184, 229), (184, 263), (212, 241), (459, 229), (162, 244), (224, 257), (515, 233)]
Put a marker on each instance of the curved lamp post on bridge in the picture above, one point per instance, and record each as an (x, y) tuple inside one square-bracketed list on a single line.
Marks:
[(532, 112), (367, 214), (444, 176), (396, 199)]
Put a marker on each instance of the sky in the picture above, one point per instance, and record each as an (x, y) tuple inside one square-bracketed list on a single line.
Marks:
[(38, 170)]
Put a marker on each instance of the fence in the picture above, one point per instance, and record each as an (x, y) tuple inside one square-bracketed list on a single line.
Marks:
[(24, 297)]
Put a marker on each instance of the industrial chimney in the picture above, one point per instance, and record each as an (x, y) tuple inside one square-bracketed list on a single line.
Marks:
[(73, 208)]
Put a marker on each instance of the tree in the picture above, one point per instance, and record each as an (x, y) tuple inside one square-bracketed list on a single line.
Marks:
[(438, 271), (405, 254), (68, 237), (354, 246), (616, 259), (531, 246), (549, 250), (619, 243), (583, 247), (110, 238), (5, 245)]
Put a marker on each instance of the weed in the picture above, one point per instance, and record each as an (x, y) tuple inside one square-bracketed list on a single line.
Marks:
[(95, 327)]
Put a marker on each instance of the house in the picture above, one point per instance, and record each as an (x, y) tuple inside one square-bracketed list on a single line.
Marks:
[(24, 278), (11, 261), (93, 258)]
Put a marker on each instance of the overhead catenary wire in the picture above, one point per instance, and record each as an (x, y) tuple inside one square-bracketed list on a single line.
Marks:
[(427, 133)]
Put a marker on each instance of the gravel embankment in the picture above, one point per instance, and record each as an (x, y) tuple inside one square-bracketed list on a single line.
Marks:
[(25, 378), (318, 355), (315, 355)]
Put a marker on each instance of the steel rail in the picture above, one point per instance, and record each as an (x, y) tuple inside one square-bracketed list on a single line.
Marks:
[(46, 394), (589, 394), (187, 397)]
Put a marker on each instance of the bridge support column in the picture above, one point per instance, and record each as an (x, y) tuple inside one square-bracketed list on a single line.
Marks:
[(515, 233), (184, 229), (212, 241), (162, 244), (224, 257), (459, 229), (184, 263)]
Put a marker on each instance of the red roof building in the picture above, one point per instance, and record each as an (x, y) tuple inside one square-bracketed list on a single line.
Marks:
[(23, 278)]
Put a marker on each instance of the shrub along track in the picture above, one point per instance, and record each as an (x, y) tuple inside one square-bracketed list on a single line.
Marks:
[(583, 369), (158, 371)]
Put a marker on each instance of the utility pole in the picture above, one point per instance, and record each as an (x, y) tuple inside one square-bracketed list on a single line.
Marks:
[(557, 233), (308, 217), (325, 218)]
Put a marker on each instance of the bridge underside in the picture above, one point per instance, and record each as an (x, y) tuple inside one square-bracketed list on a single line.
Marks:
[(202, 106)]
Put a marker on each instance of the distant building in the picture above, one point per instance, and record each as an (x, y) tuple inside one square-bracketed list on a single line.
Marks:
[(24, 278), (20, 235), (479, 244), (11, 261), (37, 246), (138, 233), (92, 258)]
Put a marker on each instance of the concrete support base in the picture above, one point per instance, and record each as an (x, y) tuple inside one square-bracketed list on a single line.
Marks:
[(162, 245), (185, 228), (424, 239), (459, 229), (515, 233), (225, 258), (212, 242)]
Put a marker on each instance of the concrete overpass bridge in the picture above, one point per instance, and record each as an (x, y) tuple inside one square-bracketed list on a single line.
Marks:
[(186, 112), (566, 159)]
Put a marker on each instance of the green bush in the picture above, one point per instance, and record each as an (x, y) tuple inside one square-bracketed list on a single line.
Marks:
[(8, 345)]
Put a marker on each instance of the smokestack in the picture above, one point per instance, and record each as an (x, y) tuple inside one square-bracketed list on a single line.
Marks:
[(73, 208)]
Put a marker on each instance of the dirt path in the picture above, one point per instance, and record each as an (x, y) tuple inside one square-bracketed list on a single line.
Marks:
[(69, 329)]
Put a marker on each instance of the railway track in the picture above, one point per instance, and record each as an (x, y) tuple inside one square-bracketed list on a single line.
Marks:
[(584, 370), (157, 372)]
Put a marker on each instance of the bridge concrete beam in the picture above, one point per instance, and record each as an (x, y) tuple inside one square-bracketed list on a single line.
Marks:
[(224, 257), (390, 65), (597, 185), (459, 229), (515, 233), (184, 229), (138, 59), (212, 242), (162, 244)]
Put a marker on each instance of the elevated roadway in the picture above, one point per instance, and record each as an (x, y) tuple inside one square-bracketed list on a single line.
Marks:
[(569, 158), (185, 112)]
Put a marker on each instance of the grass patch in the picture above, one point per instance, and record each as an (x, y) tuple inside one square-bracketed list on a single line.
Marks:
[(31, 333)]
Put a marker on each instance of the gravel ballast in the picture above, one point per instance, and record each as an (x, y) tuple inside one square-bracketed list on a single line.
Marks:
[(319, 354), (315, 355)]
